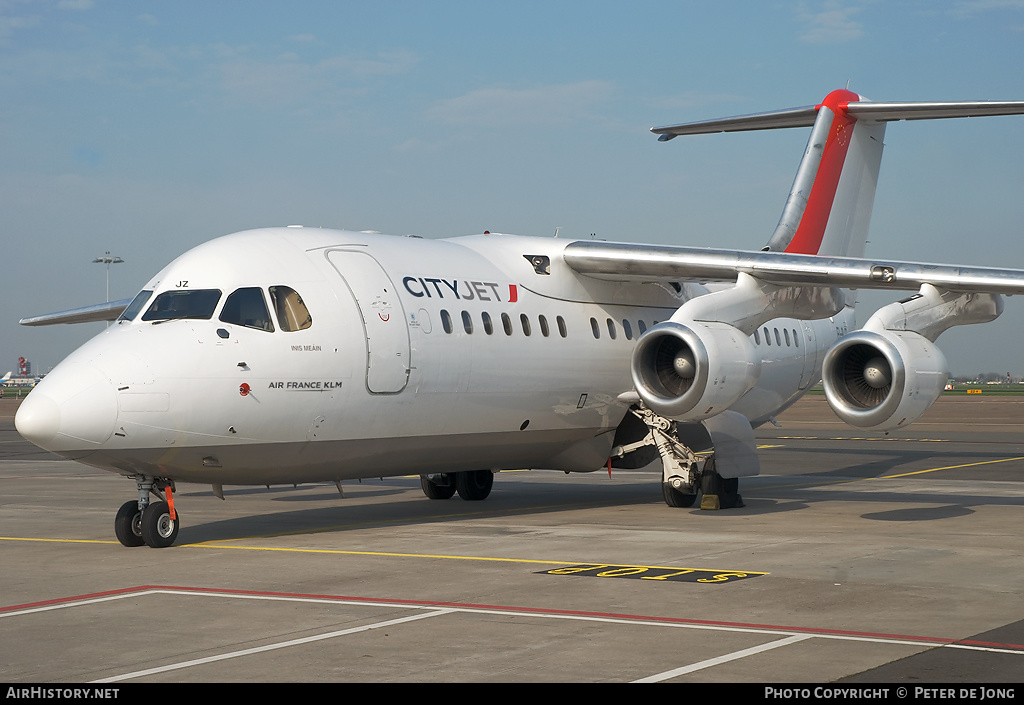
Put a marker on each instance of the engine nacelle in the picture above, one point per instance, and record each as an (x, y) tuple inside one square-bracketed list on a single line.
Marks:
[(695, 371), (883, 380)]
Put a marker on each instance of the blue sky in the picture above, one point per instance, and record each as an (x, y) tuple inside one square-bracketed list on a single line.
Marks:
[(147, 128)]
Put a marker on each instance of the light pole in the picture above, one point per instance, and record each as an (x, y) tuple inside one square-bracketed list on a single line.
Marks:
[(108, 260)]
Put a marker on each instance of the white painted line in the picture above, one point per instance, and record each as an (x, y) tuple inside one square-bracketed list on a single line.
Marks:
[(269, 647), (790, 637), (77, 603), (722, 659)]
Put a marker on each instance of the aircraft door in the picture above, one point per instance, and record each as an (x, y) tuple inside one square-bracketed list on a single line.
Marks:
[(810, 354), (384, 325)]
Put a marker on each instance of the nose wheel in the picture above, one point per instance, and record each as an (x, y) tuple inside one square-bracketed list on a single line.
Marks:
[(128, 524), (154, 524)]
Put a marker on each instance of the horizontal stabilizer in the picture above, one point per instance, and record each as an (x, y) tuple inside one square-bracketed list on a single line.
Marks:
[(86, 314), (863, 110)]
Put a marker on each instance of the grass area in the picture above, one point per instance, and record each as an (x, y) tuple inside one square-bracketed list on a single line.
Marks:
[(990, 390), (16, 392), (999, 390)]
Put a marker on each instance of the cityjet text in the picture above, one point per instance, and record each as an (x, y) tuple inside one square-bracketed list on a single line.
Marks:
[(432, 287)]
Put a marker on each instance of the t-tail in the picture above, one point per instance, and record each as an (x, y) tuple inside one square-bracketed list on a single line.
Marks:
[(829, 206)]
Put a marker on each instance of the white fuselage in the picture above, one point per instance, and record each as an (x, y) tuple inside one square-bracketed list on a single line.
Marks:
[(422, 356)]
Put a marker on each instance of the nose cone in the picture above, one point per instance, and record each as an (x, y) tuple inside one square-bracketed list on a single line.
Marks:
[(38, 419), (73, 409)]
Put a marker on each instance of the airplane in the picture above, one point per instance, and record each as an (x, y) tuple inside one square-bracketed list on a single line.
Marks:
[(295, 355), (3, 380)]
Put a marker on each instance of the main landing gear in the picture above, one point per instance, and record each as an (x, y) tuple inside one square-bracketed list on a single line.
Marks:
[(472, 485), (143, 522), (682, 473)]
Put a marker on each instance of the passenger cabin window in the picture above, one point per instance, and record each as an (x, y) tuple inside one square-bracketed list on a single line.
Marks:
[(292, 314), (446, 321), (544, 330), (627, 329), (506, 323), (595, 328), (246, 307), (488, 326), (525, 322), (183, 303), (137, 304), (561, 327), (467, 322)]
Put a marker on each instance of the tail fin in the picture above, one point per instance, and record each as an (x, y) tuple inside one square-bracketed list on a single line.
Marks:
[(829, 205)]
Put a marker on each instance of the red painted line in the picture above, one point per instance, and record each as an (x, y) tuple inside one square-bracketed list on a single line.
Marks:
[(63, 600), (993, 644), (506, 608)]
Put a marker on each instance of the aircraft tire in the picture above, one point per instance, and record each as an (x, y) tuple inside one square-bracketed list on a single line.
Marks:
[(675, 498), (475, 484), (434, 490), (158, 529), (726, 488), (128, 524)]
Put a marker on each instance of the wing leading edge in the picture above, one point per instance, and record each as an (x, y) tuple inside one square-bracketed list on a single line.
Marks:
[(86, 314), (629, 262)]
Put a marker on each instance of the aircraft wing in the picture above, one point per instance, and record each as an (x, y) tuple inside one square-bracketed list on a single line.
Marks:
[(629, 262), (86, 314)]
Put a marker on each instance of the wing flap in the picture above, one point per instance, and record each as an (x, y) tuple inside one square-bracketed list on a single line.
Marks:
[(629, 262)]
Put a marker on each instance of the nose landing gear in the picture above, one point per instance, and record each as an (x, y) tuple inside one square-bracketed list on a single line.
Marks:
[(143, 522)]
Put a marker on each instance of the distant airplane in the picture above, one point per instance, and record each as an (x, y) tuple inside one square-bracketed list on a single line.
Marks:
[(6, 377), (290, 355)]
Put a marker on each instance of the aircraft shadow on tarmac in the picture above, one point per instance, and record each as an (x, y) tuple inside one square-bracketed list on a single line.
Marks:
[(350, 513), (527, 498), (876, 462), (828, 485)]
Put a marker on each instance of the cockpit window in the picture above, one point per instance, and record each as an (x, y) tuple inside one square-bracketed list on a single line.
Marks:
[(292, 313), (183, 303), (140, 300), (247, 307)]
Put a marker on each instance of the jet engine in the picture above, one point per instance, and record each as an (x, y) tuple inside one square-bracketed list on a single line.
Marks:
[(883, 380), (693, 372)]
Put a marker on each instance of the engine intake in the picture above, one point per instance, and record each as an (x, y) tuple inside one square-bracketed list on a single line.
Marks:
[(883, 380), (695, 371)]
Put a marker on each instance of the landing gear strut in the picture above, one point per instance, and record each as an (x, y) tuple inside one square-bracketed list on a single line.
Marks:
[(143, 522), (682, 474)]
